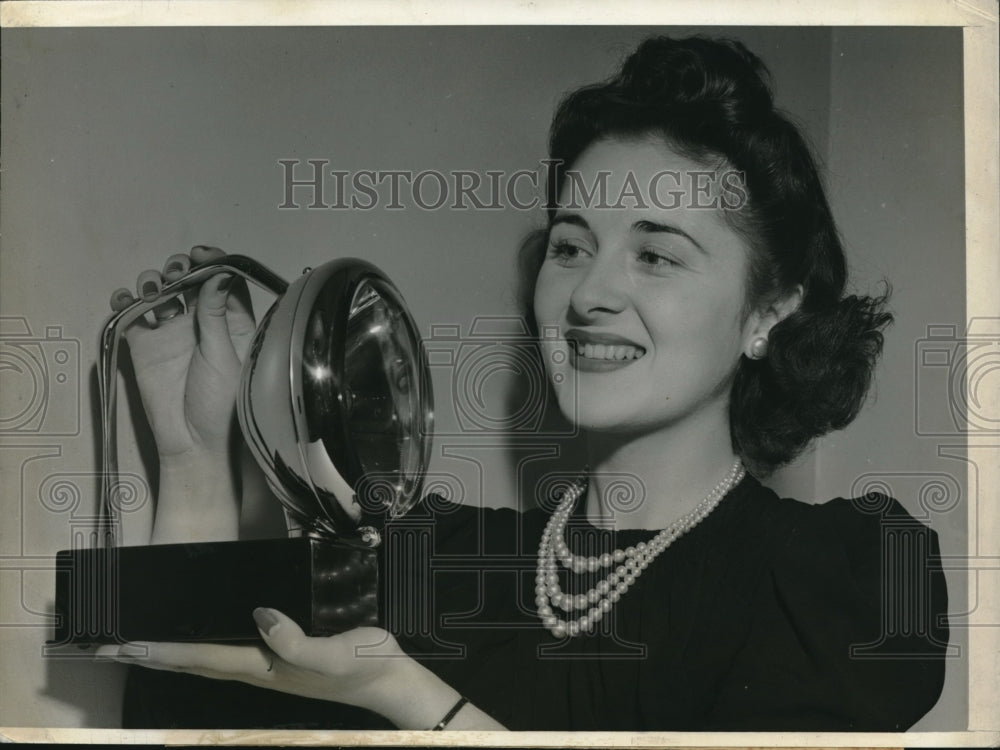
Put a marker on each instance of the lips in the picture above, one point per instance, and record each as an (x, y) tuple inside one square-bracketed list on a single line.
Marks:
[(596, 346)]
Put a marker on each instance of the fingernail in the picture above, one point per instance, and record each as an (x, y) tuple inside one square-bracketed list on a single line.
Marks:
[(173, 267), (123, 296), (225, 283), (149, 289), (266, 620)]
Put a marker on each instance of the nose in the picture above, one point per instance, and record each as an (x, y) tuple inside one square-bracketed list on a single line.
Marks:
[(602, 290)]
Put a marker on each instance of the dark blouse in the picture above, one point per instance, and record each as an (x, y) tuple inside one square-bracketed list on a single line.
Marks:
[(769, 615)]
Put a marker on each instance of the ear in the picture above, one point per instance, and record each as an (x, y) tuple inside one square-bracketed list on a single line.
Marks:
[(759, 324)]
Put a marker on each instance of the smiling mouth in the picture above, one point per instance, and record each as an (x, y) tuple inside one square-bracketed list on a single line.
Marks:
[(606, 352)]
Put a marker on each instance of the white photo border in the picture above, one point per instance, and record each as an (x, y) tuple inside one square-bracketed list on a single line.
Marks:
[(979, 21)]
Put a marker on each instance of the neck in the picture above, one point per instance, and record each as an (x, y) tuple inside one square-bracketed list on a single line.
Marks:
[(668, 472)]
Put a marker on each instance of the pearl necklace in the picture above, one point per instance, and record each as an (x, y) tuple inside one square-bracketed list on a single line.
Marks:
[(630, 562)]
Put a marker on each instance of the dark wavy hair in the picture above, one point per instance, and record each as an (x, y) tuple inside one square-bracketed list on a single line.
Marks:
[(711, 100)]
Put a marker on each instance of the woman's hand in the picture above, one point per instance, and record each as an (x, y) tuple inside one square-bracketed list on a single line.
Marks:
[(187, 365), (187, 368), (363, 667)]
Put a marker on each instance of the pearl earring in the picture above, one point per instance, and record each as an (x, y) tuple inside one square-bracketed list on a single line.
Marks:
[(758, 348)]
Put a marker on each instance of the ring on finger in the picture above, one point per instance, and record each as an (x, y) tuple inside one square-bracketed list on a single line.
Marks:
[(168, 310)]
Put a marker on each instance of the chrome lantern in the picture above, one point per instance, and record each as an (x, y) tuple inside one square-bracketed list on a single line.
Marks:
[(335, 399)]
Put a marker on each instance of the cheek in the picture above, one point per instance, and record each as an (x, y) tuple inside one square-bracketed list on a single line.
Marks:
[(702, 322), (547, 303)]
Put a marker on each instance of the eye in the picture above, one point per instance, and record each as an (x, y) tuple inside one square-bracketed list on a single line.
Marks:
[(657, 259), (567, 253)]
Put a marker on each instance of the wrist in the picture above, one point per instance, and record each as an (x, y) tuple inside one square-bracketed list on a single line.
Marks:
[(198, 499), (199, 458), (413, 697)]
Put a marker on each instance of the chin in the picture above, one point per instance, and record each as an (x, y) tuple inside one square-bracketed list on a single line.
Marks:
[(603, 415)]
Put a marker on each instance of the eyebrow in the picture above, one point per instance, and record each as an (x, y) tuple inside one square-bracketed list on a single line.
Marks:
[(653, 226), (643, 225), (574, 219)]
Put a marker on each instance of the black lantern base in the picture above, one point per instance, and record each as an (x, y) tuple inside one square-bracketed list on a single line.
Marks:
[(208, 591)]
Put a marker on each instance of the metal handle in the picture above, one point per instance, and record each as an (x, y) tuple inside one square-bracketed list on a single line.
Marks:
[(239, 265)]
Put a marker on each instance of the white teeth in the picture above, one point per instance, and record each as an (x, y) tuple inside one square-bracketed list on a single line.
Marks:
[(611, 352)]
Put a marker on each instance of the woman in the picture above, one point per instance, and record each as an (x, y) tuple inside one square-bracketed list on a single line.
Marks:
[(689, 300)]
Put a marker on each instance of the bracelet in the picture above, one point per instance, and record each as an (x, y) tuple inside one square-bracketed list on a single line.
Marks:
[(450, 715)]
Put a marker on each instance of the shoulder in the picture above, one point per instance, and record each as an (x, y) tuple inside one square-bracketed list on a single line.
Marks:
[(869, 551), (459, 528), (864, 533), (848, 622), (869, 568)]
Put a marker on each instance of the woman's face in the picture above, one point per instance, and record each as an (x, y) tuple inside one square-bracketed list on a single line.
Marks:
[(640, 299)]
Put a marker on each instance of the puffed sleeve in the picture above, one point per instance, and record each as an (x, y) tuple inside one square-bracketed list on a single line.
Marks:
[(848, 628)]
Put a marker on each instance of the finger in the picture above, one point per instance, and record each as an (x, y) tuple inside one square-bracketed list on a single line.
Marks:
[(128, 653), (283, 635), (239, 293), (168, 311), (208, 659), (121, 651), (330, 654), (201, 254), (148, 285), (210, 309), (239, 302), (176, 266), (120, 299)]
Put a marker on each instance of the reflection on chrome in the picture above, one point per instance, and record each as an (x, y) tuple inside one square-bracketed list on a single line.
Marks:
[(319, 372), (335, 391), (339, 390)]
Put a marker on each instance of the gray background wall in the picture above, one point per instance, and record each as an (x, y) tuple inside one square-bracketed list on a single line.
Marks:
[(123, 146)]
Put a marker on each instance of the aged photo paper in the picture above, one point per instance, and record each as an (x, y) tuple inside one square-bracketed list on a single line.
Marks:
[(135, 130)]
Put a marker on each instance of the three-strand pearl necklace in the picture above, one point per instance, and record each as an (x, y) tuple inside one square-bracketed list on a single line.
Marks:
[(630, 562)]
